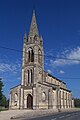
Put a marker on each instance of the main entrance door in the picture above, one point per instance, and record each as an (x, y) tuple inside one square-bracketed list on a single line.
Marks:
[(29, 101)]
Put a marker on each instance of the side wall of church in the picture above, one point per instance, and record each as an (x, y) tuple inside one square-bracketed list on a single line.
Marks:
[(15, 98)]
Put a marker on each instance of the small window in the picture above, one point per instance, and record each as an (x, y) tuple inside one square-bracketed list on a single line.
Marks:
[(35, 37), (16, 97), (39, 56), (43, 96)]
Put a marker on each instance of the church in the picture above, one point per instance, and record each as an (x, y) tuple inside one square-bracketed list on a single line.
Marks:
[(38, 89)]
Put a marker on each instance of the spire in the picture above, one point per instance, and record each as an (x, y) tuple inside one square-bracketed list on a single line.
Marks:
[(33, 28), (25, 37)]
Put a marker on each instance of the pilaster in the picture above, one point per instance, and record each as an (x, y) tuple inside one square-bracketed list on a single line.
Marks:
[(22, 99), (55, 99), (34, 98)]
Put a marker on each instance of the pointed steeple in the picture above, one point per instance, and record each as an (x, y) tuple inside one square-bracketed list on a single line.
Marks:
[(33, 28), (25, 37)]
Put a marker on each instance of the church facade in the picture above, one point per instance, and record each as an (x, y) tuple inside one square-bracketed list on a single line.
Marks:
[(38, 89)]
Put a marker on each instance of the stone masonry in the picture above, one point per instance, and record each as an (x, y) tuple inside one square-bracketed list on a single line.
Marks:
[(38, 89)]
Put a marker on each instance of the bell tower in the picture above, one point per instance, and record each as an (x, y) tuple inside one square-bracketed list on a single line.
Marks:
[(33, 56)]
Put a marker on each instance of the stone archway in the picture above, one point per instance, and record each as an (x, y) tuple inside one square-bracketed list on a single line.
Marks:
[(29, 101)]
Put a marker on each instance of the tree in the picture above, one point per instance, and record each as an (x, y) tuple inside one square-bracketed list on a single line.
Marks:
[(77, 102), (1, 94), (7, 103), (3, 100)]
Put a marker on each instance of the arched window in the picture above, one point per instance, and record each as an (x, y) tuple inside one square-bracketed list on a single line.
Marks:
[(43, 96), (39, 56), (30, 55), (28, 76), (16, 97)]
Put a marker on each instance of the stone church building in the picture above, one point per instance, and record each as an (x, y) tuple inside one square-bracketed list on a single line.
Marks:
[(38, 89)]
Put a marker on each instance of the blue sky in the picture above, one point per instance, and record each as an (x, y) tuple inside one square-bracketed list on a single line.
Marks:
[(58, 23)]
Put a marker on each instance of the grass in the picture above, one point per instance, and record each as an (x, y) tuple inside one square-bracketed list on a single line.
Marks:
[(3, 109), (78, 106)]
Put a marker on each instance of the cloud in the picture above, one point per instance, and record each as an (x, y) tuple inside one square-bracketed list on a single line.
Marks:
[(61, 72), (49, 71), (10, 67), (68, 57), (19, 78), (50, 52)]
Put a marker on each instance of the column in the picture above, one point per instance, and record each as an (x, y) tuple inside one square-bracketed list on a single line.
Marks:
[(37, 97), (55, 98), (25, 102), (22, 82), (26, 77), (34, 98), (18, 100), (63, 99), (58, 99), (66, 99), (10, 102), (30, 76), (22, 102), (73, 103), (50, 99)]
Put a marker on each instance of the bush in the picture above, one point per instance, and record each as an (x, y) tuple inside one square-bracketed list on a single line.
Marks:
[(77, 102)]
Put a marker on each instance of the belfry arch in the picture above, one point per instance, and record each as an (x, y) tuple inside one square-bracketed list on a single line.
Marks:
[(30, 55)]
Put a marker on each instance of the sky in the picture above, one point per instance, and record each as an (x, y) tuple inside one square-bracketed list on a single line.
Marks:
[(58, 23)]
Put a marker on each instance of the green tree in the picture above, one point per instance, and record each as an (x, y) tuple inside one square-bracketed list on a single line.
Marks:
[(7, 103), (3, 100), (77, 102), (1, 94)]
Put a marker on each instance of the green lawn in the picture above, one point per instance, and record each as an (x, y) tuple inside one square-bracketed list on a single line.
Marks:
[(3, 109)]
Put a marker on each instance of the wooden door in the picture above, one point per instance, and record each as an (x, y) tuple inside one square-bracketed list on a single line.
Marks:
[(29, 101)]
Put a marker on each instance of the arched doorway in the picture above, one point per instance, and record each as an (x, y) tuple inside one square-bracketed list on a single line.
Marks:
[(29, 101)]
